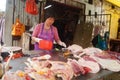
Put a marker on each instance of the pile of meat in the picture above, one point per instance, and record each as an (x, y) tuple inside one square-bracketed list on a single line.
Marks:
[(88, 60), (105, 59)]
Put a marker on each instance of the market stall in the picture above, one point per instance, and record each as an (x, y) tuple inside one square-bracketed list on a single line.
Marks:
[(19, 64)]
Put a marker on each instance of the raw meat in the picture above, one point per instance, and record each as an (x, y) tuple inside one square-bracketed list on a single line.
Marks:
[(94, 66)]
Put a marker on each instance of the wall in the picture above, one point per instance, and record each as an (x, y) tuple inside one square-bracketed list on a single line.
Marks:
[(94, 7), (15, 9), (105, 8), (115, 15), (8, 22)]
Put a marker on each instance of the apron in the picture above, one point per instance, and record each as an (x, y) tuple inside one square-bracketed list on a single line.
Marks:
[(46, 35)]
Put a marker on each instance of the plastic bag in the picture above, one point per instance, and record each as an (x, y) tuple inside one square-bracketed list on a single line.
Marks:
[(18, 28), (31, 7), (102, 43)]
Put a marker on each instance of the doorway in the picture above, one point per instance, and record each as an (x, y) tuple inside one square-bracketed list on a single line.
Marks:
[(66, 19)]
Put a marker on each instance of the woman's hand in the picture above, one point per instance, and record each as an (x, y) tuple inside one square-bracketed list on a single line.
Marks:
[(62, 44), (36, 39)]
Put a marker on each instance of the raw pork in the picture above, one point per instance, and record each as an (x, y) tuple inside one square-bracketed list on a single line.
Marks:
[(75, 48), (109, 64), (94, 66)]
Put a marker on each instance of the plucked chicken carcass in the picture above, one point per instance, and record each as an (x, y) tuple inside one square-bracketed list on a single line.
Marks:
[(62, 69), (39, 70), (18, 75), (48, 70)]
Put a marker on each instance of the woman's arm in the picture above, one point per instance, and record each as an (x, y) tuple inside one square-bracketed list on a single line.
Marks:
[(57, 39), (35, 33), (56, 36)]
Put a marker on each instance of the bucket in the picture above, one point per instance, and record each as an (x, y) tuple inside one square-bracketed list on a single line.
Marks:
[(45, 44)]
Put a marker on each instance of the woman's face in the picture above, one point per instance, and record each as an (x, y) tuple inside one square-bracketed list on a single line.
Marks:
[(50, 20)]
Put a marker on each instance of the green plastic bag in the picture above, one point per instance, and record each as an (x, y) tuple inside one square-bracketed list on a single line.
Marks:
[(102, 43)]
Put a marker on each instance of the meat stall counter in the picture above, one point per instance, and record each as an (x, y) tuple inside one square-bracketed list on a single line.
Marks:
[(19, 64)]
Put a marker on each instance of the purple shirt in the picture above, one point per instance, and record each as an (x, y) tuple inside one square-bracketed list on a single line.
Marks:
[(47, 34), (38, 28)]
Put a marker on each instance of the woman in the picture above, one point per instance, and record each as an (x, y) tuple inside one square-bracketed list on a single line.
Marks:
[(46, 31)]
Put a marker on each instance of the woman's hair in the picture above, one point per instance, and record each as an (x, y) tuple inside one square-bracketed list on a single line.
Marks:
[(48, 15)]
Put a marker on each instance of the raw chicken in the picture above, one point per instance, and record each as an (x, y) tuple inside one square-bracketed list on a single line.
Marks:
[(62, 69), (18, 75), (47, 70)]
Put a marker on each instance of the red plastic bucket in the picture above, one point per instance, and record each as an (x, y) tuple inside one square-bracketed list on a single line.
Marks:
[(45, 44)]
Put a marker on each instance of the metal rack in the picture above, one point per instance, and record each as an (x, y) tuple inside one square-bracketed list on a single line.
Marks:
[(103, 20)]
